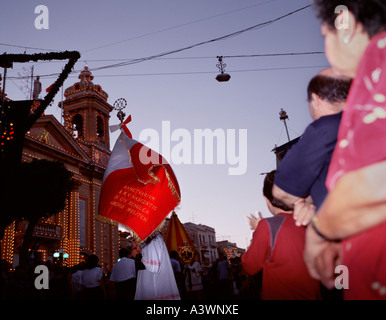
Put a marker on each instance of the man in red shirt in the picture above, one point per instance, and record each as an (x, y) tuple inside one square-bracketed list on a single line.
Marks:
[(277, 249)]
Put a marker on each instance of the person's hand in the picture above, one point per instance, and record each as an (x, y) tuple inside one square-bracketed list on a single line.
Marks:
[(319, 257), (314, 245), (304, 210), (326, 262), (254, 221)]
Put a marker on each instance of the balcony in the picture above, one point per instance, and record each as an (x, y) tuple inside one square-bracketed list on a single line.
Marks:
[(42, 230), (47, 230)]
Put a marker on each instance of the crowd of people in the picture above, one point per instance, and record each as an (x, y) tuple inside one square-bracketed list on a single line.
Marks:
[(225, 279), (328, 195)]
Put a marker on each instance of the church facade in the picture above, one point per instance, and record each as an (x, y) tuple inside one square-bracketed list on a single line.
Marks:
[(82, 144)]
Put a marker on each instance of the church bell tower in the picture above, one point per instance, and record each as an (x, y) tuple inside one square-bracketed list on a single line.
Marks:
[(86, 111)]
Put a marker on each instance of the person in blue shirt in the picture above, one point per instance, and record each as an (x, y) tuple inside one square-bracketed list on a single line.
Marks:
[(301, 174)]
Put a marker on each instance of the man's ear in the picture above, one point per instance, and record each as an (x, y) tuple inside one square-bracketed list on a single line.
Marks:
[(316, 100), (267, 202)]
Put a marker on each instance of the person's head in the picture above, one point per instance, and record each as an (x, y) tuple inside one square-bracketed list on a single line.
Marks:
[(348, 31), (123, 253), (274, 205), (327, 93), (92, 262), (174, 254), (222, 256)]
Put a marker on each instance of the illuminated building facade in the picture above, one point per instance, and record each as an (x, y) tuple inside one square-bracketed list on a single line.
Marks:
[(82, 144), (204, 239)]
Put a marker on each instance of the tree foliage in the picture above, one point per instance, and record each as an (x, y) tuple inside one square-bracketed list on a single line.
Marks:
[(35, 190)]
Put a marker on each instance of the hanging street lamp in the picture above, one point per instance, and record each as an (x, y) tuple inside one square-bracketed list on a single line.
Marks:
[(222, 77)]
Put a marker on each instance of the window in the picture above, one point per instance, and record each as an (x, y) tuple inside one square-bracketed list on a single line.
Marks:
[(100, 127), (77, 125)]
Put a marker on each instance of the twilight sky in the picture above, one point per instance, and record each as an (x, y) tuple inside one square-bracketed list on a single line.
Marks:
[(174, 98)]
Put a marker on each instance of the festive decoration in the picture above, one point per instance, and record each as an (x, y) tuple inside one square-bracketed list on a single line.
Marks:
[(8, 243), (18, 113), (222, 77), (7, 134), (13, 120), (139, 187), (34, 106), (230, 252), (85, 85), (73, 56), (177, 239), (78, 87)]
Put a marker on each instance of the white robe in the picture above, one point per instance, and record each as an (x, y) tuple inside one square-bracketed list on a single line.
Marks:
[(195, 277), (157, 281)]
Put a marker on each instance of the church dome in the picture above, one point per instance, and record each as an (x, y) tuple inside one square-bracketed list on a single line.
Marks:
[(85, 86)]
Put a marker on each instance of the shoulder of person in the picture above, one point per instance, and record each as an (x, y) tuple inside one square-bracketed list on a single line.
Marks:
[(331, 120), (276, 220)]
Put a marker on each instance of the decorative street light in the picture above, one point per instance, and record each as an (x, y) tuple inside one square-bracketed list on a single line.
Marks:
[(60, 256), (222, 77), (119, 105)]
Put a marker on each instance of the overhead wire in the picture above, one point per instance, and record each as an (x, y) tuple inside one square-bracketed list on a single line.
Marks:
[(227, 36), (201, 57), (53, 75), (27, 47), (177, 26), (143, 35)]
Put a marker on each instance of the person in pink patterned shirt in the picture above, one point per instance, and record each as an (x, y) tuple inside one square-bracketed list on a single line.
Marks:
[(349, 229)]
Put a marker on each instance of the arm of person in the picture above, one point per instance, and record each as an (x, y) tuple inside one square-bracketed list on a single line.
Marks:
[(258, 252), (304, 208), (321, 257), (287, 198), (306, 163), (357, 203), (254, 221)]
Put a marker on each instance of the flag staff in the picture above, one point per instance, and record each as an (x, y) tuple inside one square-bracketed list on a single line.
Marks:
[(284, 117)]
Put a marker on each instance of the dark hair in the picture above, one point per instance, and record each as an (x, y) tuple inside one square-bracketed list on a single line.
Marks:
[(370, 13), (123, 253), (267, 191), (92, 262), (331, 89), (174, 254)]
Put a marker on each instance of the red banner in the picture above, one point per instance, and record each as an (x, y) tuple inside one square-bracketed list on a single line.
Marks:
[(137, 191)]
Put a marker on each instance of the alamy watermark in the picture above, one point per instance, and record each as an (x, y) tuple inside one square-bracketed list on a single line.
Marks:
[(42, 279), (341, 281), (341, 21), (202, 146), (42, 20)]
